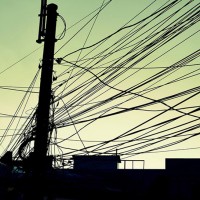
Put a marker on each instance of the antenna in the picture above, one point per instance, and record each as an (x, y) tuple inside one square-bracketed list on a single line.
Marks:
[(42, 23)]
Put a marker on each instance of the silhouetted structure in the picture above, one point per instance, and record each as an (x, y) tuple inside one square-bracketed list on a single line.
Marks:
[(96, 162), (180, 180)]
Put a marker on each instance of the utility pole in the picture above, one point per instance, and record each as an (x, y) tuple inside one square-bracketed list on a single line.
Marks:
[(40, 159)]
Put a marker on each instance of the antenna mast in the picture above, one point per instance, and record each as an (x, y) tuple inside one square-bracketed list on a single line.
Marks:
[(42, 23)]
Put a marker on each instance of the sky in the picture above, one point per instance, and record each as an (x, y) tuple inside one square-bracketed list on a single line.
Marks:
[(21, 55)]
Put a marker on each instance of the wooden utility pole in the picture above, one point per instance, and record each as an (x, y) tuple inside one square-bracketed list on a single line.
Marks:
[(40, 158)]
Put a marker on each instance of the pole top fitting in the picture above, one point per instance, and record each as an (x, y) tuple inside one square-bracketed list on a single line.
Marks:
[(52, 6)]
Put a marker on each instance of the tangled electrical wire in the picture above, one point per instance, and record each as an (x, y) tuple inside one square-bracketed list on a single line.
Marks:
[(118, 80)]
